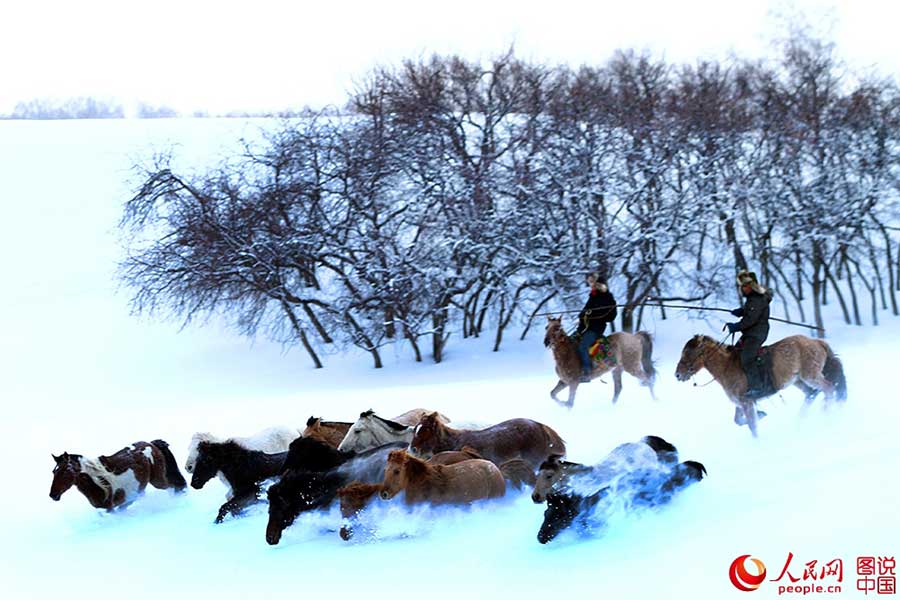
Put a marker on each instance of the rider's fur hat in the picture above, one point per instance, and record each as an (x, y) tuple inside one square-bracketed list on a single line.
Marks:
[(749, 278)]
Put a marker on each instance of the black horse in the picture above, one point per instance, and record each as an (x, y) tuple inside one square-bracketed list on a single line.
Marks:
[(643, 488), (243, 469), (304, 489), (308, 454)]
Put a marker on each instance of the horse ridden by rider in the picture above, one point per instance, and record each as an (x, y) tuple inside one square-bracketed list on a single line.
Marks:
[(754, 329)]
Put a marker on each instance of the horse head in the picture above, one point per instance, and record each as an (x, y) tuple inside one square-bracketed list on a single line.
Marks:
[(554, 327), (428, 437), (206, 465), (284, 506), (691, 358), (394, 474), (560, 513), (549, 473), (67, 468), (362, 434)]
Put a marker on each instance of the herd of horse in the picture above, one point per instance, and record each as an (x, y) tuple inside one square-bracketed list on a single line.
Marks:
[(419, 455)]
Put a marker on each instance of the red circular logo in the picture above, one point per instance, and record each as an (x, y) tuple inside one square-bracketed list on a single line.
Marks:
[(743, 579)]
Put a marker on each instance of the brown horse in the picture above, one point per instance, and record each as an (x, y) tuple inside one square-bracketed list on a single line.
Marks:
[(327, 432), (629, 352), (356, 496), (460, 483), (528, 440), (116, 480), (797, 360)]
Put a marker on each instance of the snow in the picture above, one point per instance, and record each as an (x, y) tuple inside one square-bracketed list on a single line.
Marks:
[(78, 373)]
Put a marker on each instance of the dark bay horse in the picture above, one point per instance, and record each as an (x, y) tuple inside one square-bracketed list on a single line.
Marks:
[(556, 474), (244, 471), (525, 439), (118, 479), (641, 488)]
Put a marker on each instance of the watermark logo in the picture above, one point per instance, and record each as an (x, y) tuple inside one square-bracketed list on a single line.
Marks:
[(743, 579)]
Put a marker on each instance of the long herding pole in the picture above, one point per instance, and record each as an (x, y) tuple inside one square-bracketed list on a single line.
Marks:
[(682, 307)]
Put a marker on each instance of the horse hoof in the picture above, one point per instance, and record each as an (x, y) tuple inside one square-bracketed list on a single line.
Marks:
[(760, 414)]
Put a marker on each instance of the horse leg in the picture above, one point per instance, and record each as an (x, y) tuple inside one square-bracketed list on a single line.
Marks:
[(617, 383), (752, 417), (739, 418), (239, 502), (572, 388), (558, 388)]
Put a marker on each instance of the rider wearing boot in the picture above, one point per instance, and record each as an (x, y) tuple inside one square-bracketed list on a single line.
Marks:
[(754, 328), (599, 310)]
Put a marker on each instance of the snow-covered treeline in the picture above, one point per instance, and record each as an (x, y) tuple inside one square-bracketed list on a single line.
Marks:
[(465, 198)]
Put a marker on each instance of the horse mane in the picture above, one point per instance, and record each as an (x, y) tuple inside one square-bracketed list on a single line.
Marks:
[(99, 474), (366, 413), (313, 455), (392, 424), (204, 436)]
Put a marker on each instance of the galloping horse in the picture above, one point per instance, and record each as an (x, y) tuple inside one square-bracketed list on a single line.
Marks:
[(459, 483), (797, 360), (271, 440), (116, 480), (243, 470), (630, 352), (528, 440)]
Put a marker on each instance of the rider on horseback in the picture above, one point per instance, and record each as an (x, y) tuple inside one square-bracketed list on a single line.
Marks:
[(754, 328), (599, 310)]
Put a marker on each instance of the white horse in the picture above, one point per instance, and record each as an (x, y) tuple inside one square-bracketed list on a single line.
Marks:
[(270, 440), (371, 431)]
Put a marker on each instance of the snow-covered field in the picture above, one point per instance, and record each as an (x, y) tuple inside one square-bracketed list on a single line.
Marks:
[(78, 373)]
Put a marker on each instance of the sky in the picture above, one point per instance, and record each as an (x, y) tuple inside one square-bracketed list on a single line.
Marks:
[(267, 54)]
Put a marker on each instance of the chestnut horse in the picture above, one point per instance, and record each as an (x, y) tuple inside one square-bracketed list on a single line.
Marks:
[(459, 483), (329, 432), (118, 479), (630, 352), (528, 440), (796, 360), (356, 496)]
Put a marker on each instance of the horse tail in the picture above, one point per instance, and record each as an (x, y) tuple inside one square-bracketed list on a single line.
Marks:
[(173, 475), (647, 354), (833, 371), (555, 444)]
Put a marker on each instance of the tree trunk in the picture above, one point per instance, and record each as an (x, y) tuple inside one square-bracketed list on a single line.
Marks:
[(295, 324), (535, 312)]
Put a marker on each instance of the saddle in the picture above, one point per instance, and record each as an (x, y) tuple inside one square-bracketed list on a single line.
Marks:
[(601, 351)]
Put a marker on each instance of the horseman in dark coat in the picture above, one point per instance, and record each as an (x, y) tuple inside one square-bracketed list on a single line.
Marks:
[(754, 328), (599, 310)]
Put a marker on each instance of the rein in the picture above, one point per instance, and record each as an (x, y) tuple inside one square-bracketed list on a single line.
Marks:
[(719, 344)]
